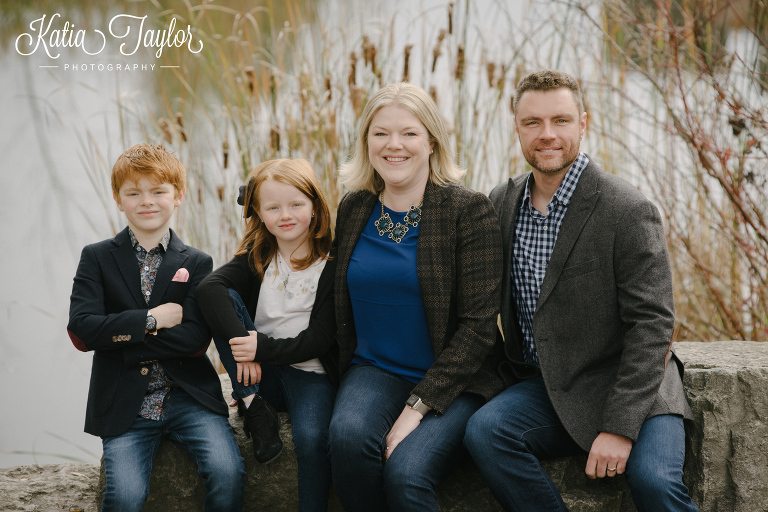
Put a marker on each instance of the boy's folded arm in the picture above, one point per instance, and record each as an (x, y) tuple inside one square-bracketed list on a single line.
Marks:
[(189, 338), (89, 327)]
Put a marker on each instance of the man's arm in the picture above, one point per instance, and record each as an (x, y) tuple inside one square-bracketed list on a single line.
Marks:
[(646, 307)]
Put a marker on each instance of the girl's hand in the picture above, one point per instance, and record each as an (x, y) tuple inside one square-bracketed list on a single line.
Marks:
[(244, 347), (406, 423), (248, 373)]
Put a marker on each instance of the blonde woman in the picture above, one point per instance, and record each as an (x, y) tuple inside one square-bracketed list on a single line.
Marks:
[(417, 294)]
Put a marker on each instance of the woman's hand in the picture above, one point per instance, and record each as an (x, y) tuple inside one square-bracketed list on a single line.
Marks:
[(248, 373), (244, 347), (406, 423)]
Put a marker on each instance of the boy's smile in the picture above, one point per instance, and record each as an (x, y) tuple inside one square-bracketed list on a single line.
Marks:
[(148, 207)]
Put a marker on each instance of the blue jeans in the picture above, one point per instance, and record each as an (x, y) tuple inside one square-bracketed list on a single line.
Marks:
[(368, 403), (206, 436), (308, 398), (519, 427)]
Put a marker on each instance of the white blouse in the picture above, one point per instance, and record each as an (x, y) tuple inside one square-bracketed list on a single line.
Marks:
[(285, 302)]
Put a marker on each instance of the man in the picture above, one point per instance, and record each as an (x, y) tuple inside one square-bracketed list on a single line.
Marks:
[(587, 316)]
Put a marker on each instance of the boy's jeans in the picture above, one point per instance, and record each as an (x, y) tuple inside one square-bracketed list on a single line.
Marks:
[(206, 436)]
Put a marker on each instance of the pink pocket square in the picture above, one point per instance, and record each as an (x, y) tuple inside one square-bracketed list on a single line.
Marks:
[(182, 275)]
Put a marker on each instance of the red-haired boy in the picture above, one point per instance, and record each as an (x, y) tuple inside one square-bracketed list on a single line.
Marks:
[(133, 304)]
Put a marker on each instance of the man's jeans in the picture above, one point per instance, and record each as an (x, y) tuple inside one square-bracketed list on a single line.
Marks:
[(308, 398), (510, 434), (206, 436), (368, 403)]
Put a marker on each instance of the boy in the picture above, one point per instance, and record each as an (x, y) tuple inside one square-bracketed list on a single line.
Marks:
[(133, 304)]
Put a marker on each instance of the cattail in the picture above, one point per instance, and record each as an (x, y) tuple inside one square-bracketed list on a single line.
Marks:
[(369, 53), (450, 18), (274, 138), (490, 69), (180, 122), (250, 72), (225, 153), (406, 71), (433, 93), (357, 95), (351, 79), (436, 49), (460, 63), (166, 129)]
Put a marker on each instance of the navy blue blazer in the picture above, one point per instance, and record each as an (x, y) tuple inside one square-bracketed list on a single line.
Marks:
[(107, 315)]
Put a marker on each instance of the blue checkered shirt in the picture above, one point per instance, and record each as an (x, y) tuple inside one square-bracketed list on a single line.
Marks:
[(535, 237)]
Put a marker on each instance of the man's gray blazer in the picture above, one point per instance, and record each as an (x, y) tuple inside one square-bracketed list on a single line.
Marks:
[(604, 318)]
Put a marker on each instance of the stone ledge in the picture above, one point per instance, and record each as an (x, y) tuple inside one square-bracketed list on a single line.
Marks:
[(726, 465)]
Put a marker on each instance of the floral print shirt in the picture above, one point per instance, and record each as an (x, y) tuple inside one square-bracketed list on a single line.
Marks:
[(159, 381)]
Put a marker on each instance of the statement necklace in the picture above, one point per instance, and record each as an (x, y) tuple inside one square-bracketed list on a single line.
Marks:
[(398, 231)]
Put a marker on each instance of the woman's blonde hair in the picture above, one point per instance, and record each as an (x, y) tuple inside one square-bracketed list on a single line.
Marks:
[(359, 174), (258, 242)]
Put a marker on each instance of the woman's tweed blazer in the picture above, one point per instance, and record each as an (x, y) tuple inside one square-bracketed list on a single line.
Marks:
[(459, 264)]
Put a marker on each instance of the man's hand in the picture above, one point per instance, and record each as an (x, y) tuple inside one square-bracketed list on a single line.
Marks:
[(406, 423), (248, 373), (244, 347), (608, 456), (167, 315)]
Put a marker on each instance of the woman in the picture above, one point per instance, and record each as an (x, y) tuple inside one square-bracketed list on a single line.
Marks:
[(417, 294)]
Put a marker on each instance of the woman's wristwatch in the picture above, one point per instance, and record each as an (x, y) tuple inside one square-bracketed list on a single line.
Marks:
[(416, 404)]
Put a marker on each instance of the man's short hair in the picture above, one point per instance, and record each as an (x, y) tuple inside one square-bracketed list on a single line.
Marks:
[(548, 80), (152, 162)]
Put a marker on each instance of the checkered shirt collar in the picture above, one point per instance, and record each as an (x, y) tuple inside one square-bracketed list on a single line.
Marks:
[(564, 192)]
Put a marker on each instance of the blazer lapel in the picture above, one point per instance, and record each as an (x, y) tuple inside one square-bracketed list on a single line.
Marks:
[(128, 265), (582, 203), (173, 259), (432, 252), (507, 215), (357, 214)]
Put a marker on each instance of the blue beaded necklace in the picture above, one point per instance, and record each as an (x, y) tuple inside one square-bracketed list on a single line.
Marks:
[(398, 231)]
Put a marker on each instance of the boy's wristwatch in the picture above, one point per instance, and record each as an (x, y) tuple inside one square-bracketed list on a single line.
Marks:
[(151, 325), (416, 404)]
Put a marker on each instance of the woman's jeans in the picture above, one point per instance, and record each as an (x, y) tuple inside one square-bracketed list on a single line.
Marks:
[(368, 403), (517, 428), (308, 398), (206, 436)]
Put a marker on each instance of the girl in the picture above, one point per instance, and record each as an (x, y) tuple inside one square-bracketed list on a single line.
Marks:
[(271, 313)]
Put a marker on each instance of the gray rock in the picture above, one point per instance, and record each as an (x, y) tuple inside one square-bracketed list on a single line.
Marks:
[(726, 465), (70, 487)]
